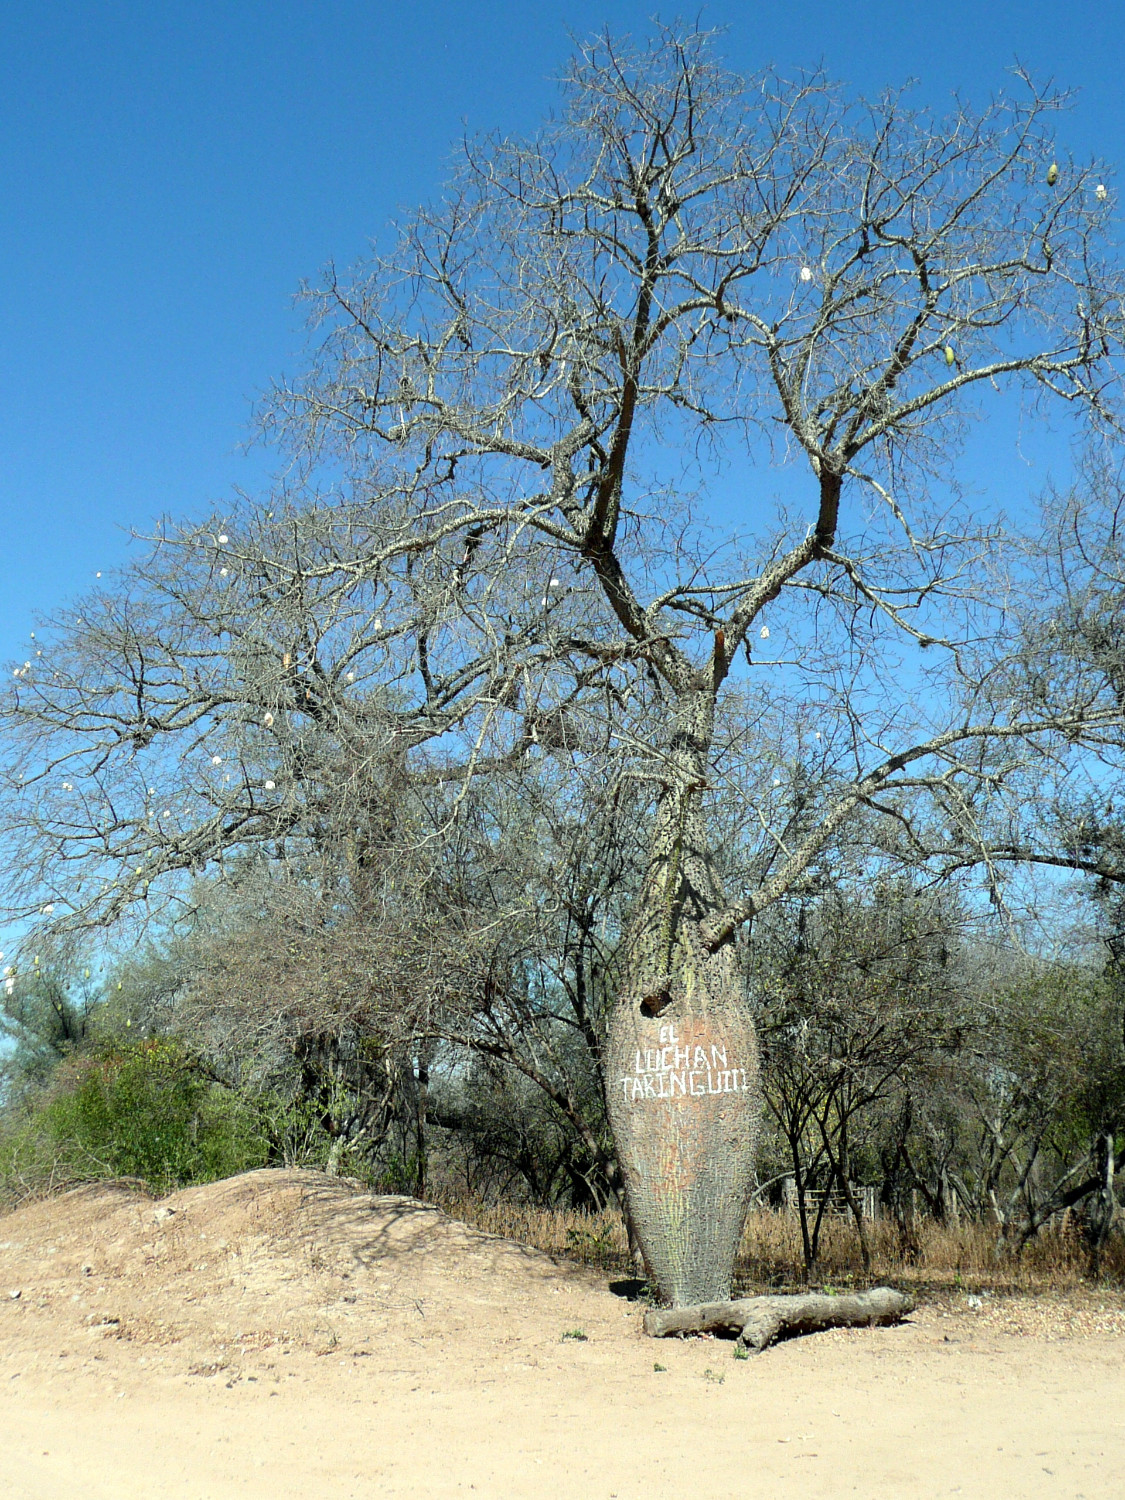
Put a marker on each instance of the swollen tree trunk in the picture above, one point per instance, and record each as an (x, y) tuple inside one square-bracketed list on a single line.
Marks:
[(682, 1054)]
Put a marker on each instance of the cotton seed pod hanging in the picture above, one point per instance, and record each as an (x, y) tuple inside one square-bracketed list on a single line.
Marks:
[(1052, 174), (949, 354)]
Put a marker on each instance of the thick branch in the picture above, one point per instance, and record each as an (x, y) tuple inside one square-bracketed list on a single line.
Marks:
[(758, 1321)]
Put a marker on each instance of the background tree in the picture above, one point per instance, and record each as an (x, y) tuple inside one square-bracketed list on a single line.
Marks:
[(45, 1017), (861, 998), (1042, 1098)]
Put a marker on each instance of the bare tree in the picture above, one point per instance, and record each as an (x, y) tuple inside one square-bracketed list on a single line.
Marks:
[(858, 1000), (487, 558), (1041, 1098)]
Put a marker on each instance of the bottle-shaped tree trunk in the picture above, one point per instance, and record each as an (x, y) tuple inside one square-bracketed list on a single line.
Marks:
[(682, 1054)]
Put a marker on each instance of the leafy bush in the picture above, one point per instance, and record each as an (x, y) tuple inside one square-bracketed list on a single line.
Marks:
[(148, 1110)]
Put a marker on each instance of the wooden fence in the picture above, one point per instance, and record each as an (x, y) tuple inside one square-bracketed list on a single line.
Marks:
[(833, 1199)]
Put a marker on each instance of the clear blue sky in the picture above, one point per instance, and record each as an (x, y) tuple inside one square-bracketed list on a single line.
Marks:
[(170, 173)]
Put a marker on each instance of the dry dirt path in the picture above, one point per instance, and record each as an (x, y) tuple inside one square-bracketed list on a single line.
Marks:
[(277, 1336)]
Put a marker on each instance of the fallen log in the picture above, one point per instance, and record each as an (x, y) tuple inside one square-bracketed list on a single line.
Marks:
[(758, 1321)]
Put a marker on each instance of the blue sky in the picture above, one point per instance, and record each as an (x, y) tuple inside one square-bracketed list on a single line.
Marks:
[(170, 173)]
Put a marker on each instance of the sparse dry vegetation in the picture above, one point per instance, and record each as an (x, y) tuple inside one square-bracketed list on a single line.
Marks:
[(940, 1256)]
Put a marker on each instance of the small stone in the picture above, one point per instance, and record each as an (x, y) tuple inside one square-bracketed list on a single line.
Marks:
[(16, 1295)]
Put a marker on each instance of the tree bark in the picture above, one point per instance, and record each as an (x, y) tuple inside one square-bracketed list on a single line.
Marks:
[(421, 1100), (758, 1321), (682, 1056)]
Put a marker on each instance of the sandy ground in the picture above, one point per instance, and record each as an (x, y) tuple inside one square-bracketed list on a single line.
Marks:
[(278, 1335)]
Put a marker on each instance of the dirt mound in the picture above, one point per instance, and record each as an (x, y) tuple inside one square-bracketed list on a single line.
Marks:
[(323, 1222), (292, 1257)]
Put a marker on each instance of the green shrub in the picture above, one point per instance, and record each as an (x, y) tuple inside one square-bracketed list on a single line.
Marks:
[(148, 1111)]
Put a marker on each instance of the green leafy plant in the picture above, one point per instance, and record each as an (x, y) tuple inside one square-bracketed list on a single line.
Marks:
[(148, 1110), (595, 1246)]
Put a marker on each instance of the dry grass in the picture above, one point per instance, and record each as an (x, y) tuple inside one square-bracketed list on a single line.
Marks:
[(594, 1239), (964, 1257)]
